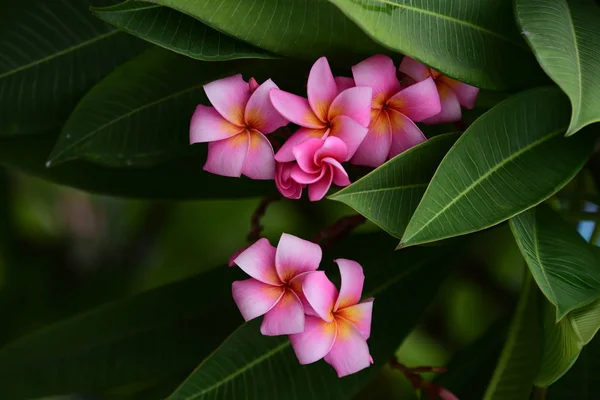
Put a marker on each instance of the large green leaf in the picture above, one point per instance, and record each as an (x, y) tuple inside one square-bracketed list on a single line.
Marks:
[(560, 260), (474, 41), (512, 158), (52, 53), (139, 115), (389, 195), (296, 28), (586, 321), (152, 336), (565, 39), (249, 364), (520, 358), (179, 179), (176, 31)]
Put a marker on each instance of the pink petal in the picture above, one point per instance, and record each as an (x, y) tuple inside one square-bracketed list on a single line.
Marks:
[(354, 103), (360, 316), (286, 152), (343, 83), (253, 84), (254, 298), (305, 152), (286, 318), (340, 176), (331, 147), (294, 108), (352, 283), (307, 178), (320, 294), (418, 101), (379, 73), (405, 134), (450, 107), (231, 262), (350, 352), (229, 96), (350, 132), (260, 162), (258, 261), (260, 113), (226, 157), (467, 94), (296, 284), (374, 149), (207, 125), (295, 256), (286, 185), (414, 69), (316, 340), (321, 88), (318, 189), (445, 394)]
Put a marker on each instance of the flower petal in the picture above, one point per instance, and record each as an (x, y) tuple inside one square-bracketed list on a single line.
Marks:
[(258, 261), (351, 288), (340, 176), (295, 256), (354, 103), (286, 152), (343, 83), (208, 125), (260, 113), (374, 149), (450, 107), (296, 285), (318, 189), (305, 153), (414, 69), (351, 132), (360, 316), (418, 101), (316, 340), (285, 318), (321, 294), (350, 352), (286, 185), (294, 108), (260, 162), (254, 298), (379, 73), (405, 134), (467, 94), (226, 157), (229, 96), (331, 147), (321, 88), (253, 84), (306, 178)]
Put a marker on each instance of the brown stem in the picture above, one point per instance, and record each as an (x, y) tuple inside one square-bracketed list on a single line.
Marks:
[(255, 226), (413, 375), (339, 230)]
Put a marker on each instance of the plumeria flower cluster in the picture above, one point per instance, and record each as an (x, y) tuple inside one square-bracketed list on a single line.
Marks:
[(299, 301), (364, 120)]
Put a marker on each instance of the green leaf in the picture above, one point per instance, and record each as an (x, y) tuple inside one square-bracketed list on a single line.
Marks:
[(512, 158), (560, 260), (471, 40), (520, 358), (561, 348), (565, 39), (389, 195), (182, 178), (140, 114), (176, 31), (586, 321), (294, 28), (266, 368), (53, 52), (146, 338)]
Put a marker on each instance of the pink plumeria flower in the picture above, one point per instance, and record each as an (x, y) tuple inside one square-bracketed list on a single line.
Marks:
[(327, 111), (453, 93), (339, 331), (235, 127), (275, 289), (319, 165), (392, 129), (284, 182)]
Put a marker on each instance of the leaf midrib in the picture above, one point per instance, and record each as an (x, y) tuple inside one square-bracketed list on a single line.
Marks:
[(59, 54), (455, 20), (538, 256), (482, 178), (287, 343), (576, 110), (404, 187)]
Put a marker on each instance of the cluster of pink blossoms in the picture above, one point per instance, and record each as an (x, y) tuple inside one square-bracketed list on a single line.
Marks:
[(299, 301), (364, 120)]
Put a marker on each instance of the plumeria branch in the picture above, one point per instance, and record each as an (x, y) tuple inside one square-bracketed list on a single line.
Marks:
[(432, 390), (339, 230), (255, 222)]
